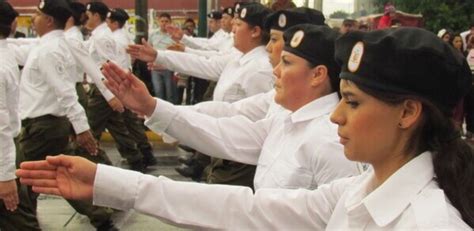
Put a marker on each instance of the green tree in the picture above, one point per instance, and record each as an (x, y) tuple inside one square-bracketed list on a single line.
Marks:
[(451, 14), (339, 14)]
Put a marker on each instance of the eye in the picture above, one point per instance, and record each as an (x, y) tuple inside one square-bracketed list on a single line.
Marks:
[(352, 103)]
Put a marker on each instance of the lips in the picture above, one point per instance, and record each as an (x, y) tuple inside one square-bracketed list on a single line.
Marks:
[(342, 139)]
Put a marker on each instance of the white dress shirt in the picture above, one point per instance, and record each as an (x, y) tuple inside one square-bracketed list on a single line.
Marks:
[(46, 86), (225, 47), (84, 61), (218, 41), (410, 199), (9, 118), (238, 76), (291, 150), (122, 40), (101, 45)]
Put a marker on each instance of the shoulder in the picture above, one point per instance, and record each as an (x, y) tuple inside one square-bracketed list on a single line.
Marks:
[(432, 210)]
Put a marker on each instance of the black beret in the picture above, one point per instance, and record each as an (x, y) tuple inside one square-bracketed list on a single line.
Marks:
[(58, 9), (7, 14), (77, 10), (315, 43), (215, 15), (284, 19), (229, 11), (254, 14), (405, 61), (98, 7), (118, 14), (239, 5)]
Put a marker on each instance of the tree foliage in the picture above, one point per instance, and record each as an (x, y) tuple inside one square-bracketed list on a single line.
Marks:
[(450, 14), (339, 14)]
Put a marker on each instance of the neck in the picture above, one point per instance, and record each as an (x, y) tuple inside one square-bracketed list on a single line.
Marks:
[(384, 169), (247, 49)]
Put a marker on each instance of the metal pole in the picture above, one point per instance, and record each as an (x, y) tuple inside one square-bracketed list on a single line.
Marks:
[(202, 25), (141, 22)]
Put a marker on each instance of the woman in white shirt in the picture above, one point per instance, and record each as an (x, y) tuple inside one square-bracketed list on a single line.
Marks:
[(394, 115)]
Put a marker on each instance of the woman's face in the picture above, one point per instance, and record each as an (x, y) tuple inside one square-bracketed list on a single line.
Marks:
[(275, 46), (292, 81), (367, 127), (242, 34), (446, 37), (457, 42)]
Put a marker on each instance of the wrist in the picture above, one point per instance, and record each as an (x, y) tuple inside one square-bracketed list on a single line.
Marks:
[(150, 107)]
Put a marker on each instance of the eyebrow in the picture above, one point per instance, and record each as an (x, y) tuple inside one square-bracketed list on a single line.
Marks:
[(346, 94)]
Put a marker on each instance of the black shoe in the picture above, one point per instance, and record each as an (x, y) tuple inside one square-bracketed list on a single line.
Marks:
[(187, 160), (149, 160), (138, 166), (194, 172), (107, 226)]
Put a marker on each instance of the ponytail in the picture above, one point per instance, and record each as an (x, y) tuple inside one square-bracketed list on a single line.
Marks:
[(453, 160)]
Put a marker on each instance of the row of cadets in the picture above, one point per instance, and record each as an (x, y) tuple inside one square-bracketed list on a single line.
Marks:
[(103, 48), (49, 103), (399, 120), (238, 76), (295, 148), (116, 19)]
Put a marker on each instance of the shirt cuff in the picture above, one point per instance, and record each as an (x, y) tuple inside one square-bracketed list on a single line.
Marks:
[(80, 126), (162, 116), (115, 187), (108, 95)]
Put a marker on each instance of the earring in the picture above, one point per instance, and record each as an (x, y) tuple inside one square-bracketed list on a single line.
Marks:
[(400, 125)]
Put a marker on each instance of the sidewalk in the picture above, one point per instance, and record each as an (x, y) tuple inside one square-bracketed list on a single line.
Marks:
[(54, 213)]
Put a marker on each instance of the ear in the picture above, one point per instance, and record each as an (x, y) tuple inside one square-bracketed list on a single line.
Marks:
[(410, 114), (319, 75), (256, 32)]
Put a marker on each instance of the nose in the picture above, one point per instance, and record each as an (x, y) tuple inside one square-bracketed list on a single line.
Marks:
[(337, 115), (269, 47), (277, 70)]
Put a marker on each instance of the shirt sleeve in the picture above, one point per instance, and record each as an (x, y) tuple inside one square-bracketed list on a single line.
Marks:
[(82, 56), (236, 138), (7, 146), (194, 65), (254, 107), (205, 53), (55, 71), (106, 49), (197, 43), (220, 206)]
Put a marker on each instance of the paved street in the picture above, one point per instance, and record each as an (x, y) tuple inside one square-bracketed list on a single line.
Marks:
[(56, 214)]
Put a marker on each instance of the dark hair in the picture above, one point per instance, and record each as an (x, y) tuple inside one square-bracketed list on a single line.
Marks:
[(121, 23), (452, 40), (453, 158), (166, 15), (59, 24), (5, 31), (264, 34), (190, 20)]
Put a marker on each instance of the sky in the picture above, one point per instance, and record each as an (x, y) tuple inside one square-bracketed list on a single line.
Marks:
[(329, 6)]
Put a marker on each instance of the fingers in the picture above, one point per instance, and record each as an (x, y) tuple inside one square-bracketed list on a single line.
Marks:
[(36, 174), (111, 74), (60, 161), (11, 201), (47, 190), (146, 44), (37, 165), (39, 182), (91, 146)]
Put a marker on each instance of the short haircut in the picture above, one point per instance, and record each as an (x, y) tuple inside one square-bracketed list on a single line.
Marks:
[(166, 15)]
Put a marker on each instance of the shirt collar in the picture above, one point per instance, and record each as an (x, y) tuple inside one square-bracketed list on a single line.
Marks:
[(255, 53), (52, 34), (100, 28), (318, 107), (402, 187)]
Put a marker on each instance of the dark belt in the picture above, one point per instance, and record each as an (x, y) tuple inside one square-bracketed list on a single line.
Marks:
[(48, 117)]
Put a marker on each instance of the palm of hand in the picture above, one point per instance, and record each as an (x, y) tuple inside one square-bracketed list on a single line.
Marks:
[(71, 186)]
